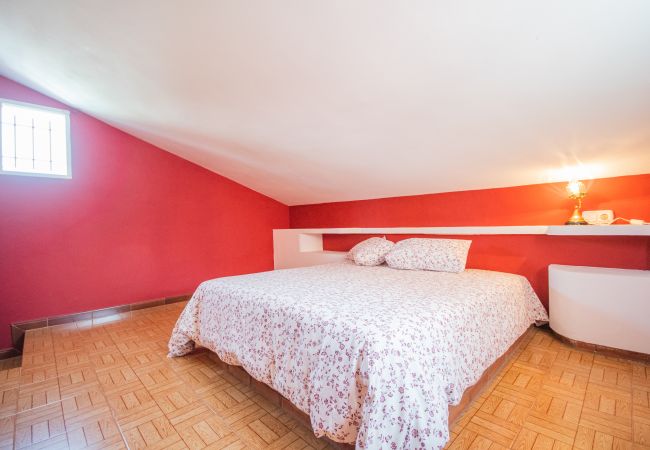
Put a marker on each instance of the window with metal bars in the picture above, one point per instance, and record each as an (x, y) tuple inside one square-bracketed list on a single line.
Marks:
[(35, 140)]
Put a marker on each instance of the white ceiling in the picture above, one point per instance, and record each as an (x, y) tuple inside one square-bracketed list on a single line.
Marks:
[(312, 101)]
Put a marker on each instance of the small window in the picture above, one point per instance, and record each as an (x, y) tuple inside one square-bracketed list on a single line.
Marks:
[(35, 140)]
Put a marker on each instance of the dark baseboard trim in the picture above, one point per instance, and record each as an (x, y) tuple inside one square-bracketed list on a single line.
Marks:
[(603, 350), (18, 328), (6, 353)]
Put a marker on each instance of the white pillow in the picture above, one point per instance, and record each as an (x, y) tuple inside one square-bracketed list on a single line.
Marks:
[(442, 255), (370, 252)]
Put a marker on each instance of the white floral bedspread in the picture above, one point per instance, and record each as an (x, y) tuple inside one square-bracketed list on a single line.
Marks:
[(374, 355)]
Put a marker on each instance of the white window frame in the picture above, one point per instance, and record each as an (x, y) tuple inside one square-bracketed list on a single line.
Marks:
[(66, 113)]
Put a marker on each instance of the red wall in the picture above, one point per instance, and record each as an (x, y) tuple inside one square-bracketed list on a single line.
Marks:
[(134, 223), (137, 223), (530, 256)]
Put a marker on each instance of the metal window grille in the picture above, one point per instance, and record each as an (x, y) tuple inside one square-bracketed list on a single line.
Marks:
[(35, 140)]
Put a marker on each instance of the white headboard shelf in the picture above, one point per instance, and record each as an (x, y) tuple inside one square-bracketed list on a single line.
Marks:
[(304, 247), (528, 229), (599, 230)]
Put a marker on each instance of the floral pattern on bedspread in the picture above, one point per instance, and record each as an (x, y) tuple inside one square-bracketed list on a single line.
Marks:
[(374, 355)]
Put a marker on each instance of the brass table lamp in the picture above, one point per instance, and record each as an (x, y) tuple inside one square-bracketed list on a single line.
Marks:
[(577, 191)]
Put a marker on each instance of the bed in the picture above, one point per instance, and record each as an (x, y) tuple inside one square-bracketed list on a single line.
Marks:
[(373, 355)]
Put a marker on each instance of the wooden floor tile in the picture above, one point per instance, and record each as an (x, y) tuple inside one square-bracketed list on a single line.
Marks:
[(493, 429), (566, 382), (7, 425), (641, 374), (130, 399), (532, 439), (503, 409), (31, 360), (108, 359), (200, 427), (8, 401), (99, 431), (113, 379), (605, 373), (70, 360), (67, 345), (196, 359), (608, 409), (10, 378), (261, 429), (40, 426), (463, 440), (58, 442), (150, 428), (132, 345), (108, 383), (145, 331), (160, 377), (35, 343), (642, 434), (9, 383), (160, 348), (174, 398), (542, 339), (38, 394), (578, 360), (99, 345), (38, 374), (230, 400), (93, 334), (84, 406), (202, 378), (124, 333), (143, 359), (66, 331), (76, 379), (641, 413), (554, 418), (536, 358), (520, 385)]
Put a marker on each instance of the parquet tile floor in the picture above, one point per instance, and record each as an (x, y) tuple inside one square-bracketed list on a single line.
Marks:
[(107, 383), (553, 396)]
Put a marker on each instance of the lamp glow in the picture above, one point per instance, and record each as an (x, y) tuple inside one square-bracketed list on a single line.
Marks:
[(576, 191)]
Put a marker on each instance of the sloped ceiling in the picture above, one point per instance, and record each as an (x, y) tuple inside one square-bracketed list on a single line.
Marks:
[(312, 101)]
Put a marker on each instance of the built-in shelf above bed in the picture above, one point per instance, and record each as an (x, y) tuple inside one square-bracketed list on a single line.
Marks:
[(599, 230), (297, 247), (564, 230), (533, 229)]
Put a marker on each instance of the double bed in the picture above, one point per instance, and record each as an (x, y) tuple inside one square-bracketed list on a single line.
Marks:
[(373, 355)]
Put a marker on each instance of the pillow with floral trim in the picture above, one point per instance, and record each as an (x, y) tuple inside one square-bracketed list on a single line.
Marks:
[(441, 255), (370, 252)]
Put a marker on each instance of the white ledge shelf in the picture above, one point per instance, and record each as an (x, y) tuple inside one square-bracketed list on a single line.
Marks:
[(554, 230), (296, 247), (599, 230)]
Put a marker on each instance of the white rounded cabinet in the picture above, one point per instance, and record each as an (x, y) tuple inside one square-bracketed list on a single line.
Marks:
[(606, 307)]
